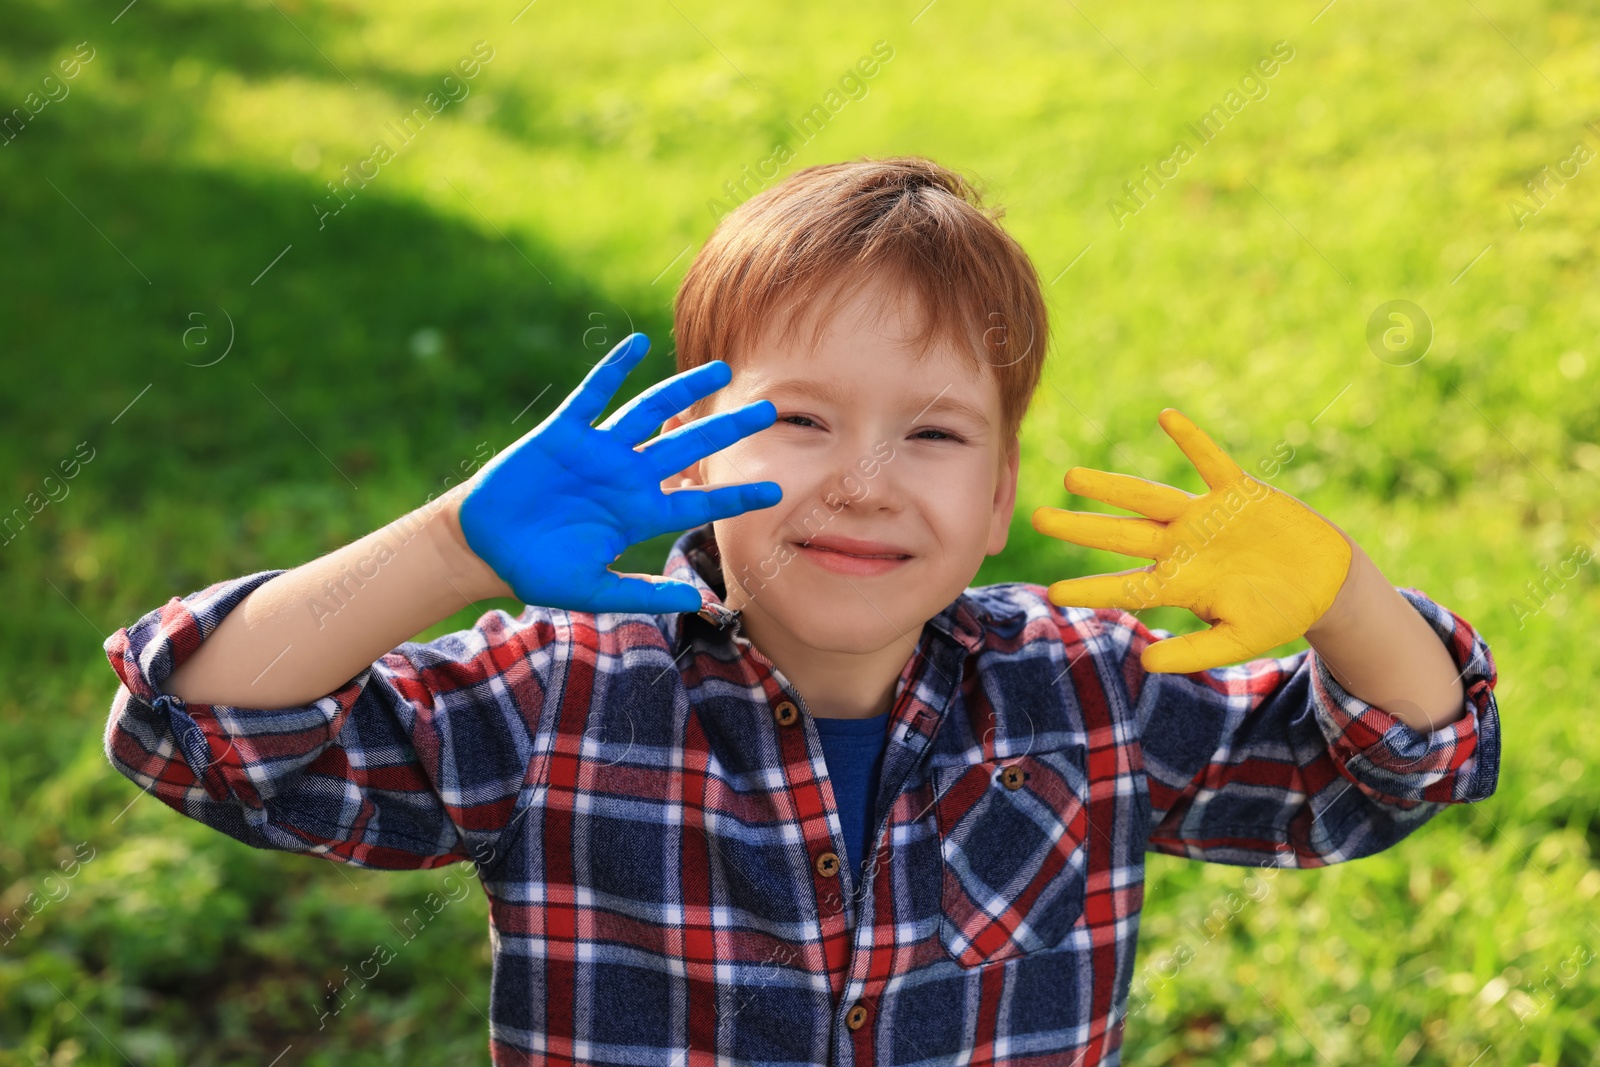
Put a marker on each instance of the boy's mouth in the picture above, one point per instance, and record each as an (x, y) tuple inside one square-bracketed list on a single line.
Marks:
[(852, 558), (856, 549)]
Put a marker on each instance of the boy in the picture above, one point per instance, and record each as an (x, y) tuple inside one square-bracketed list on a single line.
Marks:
[(810, 798)]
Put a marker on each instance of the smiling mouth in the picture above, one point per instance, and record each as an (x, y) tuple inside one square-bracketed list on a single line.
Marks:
[(852, 555)]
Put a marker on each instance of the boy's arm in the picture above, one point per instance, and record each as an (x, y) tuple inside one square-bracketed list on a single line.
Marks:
[(542, 522), (1277, 755), (405, 765), (310, 630), (1274, 761), (288, 710)]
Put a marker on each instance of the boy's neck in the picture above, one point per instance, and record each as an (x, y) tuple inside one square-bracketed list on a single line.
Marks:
[(835, 685)]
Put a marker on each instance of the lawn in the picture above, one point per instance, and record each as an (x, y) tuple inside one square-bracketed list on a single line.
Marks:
[(246, 359)]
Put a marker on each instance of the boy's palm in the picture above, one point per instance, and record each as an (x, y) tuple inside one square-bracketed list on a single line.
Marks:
[(1255, 562), (551, 513)]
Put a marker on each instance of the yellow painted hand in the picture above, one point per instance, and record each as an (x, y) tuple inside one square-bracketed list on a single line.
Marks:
[(1252, 560)]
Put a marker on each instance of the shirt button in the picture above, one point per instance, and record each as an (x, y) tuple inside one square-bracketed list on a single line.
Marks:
[(856, 1017), (786, 713), (828, 864), (1012, 777)]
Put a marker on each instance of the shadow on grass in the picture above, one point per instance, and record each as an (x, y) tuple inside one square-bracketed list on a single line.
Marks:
[(368, 359)]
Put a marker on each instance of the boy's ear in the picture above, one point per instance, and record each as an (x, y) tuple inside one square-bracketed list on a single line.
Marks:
[(690, 475), (1005, 498)]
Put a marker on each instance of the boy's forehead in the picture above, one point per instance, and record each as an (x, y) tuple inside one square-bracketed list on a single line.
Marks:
[(861, 307), (841, 348)]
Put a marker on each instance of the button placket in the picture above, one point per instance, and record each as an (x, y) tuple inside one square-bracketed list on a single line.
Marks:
[(826, 864)]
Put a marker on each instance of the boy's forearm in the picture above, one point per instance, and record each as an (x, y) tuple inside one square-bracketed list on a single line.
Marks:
[(1380, 650), (310, 630)]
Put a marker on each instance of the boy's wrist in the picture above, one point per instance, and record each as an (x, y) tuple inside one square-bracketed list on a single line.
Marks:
[(1382, 651), (461, 567), (1355, 589)]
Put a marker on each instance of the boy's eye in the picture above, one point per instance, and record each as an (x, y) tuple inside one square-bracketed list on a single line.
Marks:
[(938, 435)]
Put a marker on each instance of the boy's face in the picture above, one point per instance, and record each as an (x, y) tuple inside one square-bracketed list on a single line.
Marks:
[(871, 446)]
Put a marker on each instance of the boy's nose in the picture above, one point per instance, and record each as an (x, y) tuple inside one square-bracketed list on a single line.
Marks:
[(861, 472)]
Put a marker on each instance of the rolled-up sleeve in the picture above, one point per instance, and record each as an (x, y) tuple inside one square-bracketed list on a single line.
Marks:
[(1393, 763), (1274, 762), (416, 762)]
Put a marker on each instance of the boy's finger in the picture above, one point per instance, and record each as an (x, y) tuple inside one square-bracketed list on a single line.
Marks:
[(614, 592), (1125, 491), (604, 378), (693, 507), (1122, 591), (689, 444), (638, 419), (1199, 651), (1131, 537), (1215, 466)]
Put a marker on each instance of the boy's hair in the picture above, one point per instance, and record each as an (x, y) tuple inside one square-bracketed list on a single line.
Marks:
[(825, 228)]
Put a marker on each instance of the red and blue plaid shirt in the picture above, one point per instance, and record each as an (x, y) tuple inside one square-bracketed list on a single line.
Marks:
[(647, 806)]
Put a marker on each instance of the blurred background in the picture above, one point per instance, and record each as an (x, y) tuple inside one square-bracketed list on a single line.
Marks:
[(237, 335)]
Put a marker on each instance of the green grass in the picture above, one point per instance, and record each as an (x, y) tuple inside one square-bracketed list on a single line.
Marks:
[(532, 223)]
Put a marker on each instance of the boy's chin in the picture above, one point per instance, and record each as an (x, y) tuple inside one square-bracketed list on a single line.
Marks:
[(847, 623)]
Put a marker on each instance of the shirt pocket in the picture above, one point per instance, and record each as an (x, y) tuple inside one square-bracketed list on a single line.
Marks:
[(1012, 834)]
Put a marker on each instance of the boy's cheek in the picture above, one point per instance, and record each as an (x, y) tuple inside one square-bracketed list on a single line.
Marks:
[(751, 460)]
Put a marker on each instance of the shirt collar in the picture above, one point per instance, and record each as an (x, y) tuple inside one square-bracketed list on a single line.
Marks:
[(696, 560)]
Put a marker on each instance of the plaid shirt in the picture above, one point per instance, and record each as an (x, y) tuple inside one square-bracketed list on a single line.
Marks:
[(647, 805)]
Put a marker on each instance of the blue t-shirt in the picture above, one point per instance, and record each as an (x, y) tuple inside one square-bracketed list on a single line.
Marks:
[(853, 749)]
